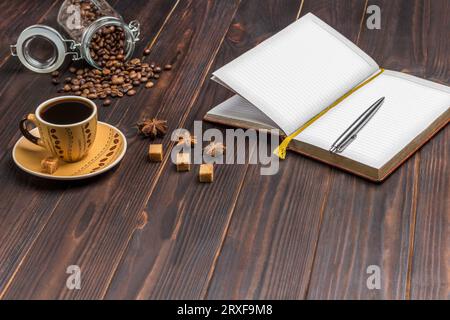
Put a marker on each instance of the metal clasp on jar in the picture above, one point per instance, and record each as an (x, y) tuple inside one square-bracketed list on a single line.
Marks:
[(74, 50), (135, 28), (13, 50)]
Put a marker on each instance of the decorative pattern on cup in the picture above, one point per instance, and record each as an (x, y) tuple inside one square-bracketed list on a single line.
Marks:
[(70, 143)]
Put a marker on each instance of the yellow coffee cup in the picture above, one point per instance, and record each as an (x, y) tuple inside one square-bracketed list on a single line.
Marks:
[(67, 127)]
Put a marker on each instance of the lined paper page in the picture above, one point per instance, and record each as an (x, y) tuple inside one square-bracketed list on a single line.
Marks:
[(237, 108), (298, 72), (411, 105)]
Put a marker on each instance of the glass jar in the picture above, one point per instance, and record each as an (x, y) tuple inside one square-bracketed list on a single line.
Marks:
[(43, 49)]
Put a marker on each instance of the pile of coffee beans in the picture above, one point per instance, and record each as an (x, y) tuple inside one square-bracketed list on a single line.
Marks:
[(115, 77), (107, 47), (112, 82), (89, 11)]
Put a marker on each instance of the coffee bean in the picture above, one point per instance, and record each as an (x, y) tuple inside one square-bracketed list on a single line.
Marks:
[(107, 102), (55, 81), (117, 80), (168, 67), (67, 88), (158, 70), (149, 85), (135, 61), (146, 52), (55, 74), (73, 69), (131, 92)]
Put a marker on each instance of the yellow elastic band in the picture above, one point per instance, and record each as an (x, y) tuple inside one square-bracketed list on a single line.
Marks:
[(281, 150)]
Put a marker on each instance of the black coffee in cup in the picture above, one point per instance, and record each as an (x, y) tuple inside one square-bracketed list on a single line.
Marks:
[(66, 112)]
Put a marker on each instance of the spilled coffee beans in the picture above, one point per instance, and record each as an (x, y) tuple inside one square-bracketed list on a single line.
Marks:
[(112, 82)]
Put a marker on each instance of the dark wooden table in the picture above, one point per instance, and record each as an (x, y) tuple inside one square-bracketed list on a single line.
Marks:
[(145, 231)]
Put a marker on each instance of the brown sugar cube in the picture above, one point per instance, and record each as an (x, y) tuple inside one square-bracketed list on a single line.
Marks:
[(155, 152), (49, 165), (183, 162), (206, 173)]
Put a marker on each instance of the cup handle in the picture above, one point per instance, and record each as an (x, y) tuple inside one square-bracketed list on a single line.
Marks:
[(23, 128)]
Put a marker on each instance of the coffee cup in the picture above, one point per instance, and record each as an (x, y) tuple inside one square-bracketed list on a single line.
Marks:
[(67, 126)]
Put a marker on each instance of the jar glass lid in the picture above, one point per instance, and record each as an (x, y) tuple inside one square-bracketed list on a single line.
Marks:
[(41, 49)]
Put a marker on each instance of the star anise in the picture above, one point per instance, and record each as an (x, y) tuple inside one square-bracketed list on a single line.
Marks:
[(187, 139), (215, 149), (152, 128)]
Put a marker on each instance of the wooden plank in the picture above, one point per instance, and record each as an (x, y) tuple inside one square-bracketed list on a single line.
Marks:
[(15, 17), (367, 224), (430, 263), (188, 220), (90, 226), (269, 249), (431, 254), (24, 217)]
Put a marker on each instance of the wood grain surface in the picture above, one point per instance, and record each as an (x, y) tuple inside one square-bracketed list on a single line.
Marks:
[(145, 231), (270, 247)]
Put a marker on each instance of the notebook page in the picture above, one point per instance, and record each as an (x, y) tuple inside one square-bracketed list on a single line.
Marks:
[(237, 108), (411, 105), (298, 72)]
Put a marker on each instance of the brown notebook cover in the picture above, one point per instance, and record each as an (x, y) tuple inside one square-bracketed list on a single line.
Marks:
[(335, 160)]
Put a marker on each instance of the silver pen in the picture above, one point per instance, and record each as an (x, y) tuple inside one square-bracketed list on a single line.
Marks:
[(351, 133)]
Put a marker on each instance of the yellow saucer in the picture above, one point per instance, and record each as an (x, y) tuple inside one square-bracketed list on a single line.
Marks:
[(108, 149)]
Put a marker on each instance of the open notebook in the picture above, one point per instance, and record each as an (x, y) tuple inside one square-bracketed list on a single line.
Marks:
[(306, 68)]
